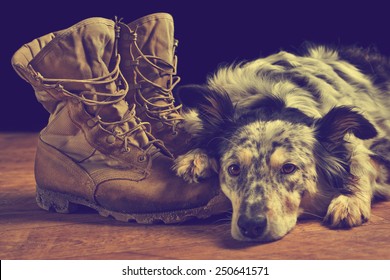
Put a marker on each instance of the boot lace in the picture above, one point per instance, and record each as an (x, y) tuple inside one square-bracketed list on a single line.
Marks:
[(101, 99), (159, 107)]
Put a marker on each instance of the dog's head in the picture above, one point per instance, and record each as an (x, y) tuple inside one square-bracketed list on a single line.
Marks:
[(271, 157)]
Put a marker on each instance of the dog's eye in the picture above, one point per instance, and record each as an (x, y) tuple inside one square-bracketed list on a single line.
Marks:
[(234, 170), (288, 168)]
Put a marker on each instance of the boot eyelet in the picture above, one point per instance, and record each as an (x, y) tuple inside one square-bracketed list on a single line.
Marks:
[(91, 123), (142, 158), (110, 139), (175, 133)]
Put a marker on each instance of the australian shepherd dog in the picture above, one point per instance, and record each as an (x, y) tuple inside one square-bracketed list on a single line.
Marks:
[(290, 135)]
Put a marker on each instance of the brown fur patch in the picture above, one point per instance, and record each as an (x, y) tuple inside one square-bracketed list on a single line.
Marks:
[(278, 158), (291, 204), (245, 157)]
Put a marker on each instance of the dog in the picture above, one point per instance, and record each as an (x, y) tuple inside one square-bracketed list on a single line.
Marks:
[(292, 135)]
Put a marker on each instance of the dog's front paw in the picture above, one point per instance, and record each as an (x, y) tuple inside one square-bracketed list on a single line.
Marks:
[(193, 166), (347, 211)]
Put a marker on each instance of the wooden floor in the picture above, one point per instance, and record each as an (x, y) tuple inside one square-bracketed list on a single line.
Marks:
[(27, 232)]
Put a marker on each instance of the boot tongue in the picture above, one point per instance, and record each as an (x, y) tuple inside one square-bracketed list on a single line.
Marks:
[(155, 38), (155, 35), (84, 52)]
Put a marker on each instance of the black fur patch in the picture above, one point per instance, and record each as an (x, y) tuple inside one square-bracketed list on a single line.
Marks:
[(272, 108), (287, 65), (369, 61), (328, 80), (304, 83), (191, 96)]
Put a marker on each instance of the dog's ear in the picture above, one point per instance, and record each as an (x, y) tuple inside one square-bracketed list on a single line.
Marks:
[(212, 114), (191, 96), (342, 120), (215, 109), (332, 157)]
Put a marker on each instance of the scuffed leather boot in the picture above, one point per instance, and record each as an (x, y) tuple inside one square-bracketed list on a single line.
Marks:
[(95, 151), (149, 64)]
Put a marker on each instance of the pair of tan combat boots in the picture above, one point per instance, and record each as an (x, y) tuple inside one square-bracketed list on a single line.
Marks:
[(114, 126)]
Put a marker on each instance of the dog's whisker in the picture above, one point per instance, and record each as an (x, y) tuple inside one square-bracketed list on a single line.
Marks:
[(222, 221), (324, 195), (312, 214), (226, 218)]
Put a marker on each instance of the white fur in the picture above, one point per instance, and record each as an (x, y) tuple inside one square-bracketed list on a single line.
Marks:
[(193, 123)]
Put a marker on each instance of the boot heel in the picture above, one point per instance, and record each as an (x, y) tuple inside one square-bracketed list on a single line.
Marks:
[(53, 201)]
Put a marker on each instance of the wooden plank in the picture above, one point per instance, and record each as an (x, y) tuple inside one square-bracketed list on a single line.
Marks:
[(27, 232)]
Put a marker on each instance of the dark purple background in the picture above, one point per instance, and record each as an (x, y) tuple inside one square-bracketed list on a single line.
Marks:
[(225, 32)]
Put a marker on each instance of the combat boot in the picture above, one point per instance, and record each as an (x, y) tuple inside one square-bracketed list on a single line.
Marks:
[(147, 46), (95, 151)]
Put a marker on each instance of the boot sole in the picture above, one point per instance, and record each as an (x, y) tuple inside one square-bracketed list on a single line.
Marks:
[(65, 203)]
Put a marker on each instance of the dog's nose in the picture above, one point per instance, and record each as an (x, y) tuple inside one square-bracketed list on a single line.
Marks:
[(252, 227)]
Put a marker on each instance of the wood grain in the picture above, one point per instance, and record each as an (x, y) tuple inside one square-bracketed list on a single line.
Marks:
[(27, 232)]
